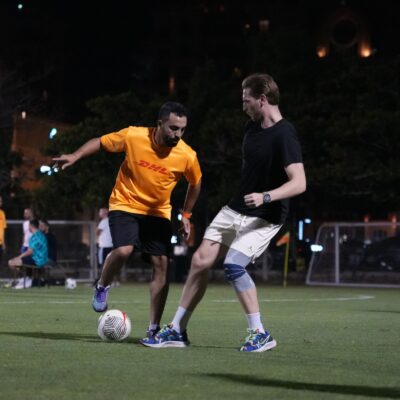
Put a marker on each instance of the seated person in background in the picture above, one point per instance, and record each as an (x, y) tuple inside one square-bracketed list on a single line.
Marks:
[(36, 254), (44, 227)]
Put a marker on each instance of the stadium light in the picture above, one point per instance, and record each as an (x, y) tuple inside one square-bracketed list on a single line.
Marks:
[(52, 133), (45, 169), (301, 230), (316, 248), (174, 239)]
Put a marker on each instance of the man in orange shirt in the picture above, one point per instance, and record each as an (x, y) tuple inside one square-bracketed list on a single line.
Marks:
[(140, 207), (3, 226)]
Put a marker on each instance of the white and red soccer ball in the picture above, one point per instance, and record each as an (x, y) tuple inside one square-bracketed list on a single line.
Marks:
[(114, 325)]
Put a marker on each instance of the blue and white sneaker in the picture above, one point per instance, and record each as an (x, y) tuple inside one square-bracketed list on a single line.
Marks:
[(166, 337), (99, 301), (258, 342)]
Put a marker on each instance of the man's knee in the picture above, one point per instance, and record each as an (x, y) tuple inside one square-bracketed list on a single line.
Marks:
[(122, 252), (238, 276), (199, 262), (159, 262), (160, 269)]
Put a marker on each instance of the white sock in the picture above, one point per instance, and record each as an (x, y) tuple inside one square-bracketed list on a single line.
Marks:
[(181, 319), (254, 321)]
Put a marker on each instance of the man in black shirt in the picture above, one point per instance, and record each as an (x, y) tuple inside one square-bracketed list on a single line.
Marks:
[(272, 172)]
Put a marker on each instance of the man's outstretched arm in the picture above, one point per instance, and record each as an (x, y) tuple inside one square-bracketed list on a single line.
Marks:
[(66, 160)]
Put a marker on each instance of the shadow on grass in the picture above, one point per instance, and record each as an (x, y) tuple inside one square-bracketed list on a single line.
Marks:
[(384, 311), (368, 391), (62, 336)]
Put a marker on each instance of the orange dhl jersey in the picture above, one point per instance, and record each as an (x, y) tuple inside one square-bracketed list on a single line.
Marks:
[(3, 225), (149, 172)]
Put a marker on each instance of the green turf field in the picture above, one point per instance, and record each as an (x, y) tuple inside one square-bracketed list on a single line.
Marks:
[(332, 344)]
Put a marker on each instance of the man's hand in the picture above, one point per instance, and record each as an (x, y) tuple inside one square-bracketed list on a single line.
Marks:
[(65, 161), (253, 200), (184, 229), (15, 262)]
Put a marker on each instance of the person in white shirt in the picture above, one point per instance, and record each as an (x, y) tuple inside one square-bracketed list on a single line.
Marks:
[(28, 215), (104, 240)]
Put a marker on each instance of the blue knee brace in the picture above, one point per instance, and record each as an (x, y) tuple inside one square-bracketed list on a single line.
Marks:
[(235, 271)]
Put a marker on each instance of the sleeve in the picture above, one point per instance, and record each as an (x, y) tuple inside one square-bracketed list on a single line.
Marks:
[(193, 172), (291, 148), (114, 142)]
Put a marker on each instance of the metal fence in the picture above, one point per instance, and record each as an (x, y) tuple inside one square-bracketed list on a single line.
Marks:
[(76, 248), (356, 254)]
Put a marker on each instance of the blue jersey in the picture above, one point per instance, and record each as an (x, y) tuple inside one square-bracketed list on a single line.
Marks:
[(38, 243)]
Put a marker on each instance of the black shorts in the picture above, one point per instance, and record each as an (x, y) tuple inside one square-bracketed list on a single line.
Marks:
[(152, 235)]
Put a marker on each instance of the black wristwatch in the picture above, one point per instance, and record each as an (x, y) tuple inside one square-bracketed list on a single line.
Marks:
[(266, 198)]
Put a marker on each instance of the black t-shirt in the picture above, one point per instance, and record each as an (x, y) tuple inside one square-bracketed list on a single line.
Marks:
[(266, 153)]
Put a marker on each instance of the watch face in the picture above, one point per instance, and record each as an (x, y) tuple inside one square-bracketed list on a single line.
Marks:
[(267, 198)]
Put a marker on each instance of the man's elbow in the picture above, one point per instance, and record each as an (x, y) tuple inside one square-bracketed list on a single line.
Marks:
[(301, 186)]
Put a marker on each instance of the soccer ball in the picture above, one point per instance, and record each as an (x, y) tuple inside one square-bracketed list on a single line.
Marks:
[(114, 325), (70, 283)]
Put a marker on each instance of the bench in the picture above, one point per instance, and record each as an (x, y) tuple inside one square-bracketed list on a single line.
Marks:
[(37, 272)]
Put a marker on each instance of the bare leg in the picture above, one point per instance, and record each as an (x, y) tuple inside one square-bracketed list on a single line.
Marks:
[(159, 287), (249, 301), (196, 284), (113, 264)]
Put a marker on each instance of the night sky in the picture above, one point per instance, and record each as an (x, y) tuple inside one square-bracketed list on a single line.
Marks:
[(73, 51)]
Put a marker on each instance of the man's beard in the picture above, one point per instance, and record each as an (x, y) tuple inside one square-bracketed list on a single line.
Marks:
[(170, 142), (256, 117)]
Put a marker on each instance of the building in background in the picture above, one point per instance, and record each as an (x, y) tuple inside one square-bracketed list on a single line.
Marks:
[(30, 136)]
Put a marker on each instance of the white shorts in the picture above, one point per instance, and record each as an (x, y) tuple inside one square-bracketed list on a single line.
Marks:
[(249, 235)]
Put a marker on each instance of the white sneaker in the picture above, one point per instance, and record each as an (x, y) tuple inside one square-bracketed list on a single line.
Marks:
[(19, 284), (28, 282)]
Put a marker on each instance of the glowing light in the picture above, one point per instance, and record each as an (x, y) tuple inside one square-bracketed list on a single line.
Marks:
[(23, 114), (20, 6), (322, 51), (174, 239), (316, 248), (307, 220), (52, 133), (45, 169), (364, 49), (171, 84), (301, 230)]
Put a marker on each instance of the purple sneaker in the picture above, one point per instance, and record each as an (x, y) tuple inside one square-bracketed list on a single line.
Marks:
[(100, 295)]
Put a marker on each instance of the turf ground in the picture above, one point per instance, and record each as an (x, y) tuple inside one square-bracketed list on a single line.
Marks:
[(332, 344)]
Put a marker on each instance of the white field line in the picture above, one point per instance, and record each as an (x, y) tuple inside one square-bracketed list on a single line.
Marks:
[(359, 297), (45, 301)]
